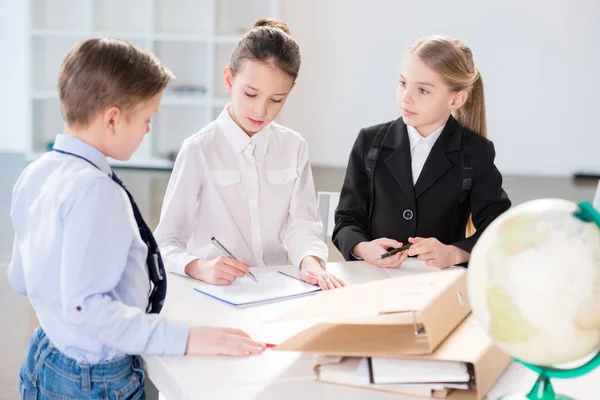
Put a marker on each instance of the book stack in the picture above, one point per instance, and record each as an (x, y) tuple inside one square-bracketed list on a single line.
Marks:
[(411, 335)]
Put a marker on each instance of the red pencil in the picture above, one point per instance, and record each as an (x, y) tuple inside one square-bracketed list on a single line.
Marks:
[(270, 345)]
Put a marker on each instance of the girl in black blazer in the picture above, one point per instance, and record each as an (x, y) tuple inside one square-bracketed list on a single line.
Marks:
[(419, 178)]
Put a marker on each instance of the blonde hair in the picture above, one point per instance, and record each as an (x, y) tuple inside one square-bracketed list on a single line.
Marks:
[(453, 61)]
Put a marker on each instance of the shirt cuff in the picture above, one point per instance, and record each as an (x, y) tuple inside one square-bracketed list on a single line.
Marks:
[(177, 335), (181, 262), (320, 254)]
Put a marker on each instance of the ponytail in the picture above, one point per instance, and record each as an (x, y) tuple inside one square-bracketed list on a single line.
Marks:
[(472, 114)]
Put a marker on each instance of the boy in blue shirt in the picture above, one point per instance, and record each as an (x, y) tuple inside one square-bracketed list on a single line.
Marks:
[(83, 254)]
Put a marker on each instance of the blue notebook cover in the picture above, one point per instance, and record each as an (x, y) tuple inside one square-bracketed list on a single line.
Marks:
[(272, 286)]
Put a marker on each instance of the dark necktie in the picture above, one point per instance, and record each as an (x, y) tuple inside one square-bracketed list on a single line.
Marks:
[(156, 269)]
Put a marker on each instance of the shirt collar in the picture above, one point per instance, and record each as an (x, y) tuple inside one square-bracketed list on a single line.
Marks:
[(415, 137), (71, 144), (238, 139)]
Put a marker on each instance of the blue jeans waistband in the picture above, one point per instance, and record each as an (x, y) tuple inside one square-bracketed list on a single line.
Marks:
[(76, 371)]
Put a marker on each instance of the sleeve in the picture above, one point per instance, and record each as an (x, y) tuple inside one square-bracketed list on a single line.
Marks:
[(352, 214), (15, 272), (16, 276), (487, 198), (97, 239), (179, 209), (304, 234)]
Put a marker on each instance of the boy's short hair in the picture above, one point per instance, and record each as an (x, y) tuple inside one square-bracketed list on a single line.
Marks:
[(103, 72)]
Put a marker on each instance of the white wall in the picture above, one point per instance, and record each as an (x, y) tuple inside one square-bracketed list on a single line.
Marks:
[(539, 60), (14, 75)]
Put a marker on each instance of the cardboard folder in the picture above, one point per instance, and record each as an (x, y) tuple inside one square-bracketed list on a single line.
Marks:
[(398, 316), (468, 343)]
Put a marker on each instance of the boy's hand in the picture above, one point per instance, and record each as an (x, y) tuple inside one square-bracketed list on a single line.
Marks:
[(209, 341), (219, 271)]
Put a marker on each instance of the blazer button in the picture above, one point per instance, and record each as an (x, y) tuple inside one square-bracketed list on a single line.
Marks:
[(408, 214)]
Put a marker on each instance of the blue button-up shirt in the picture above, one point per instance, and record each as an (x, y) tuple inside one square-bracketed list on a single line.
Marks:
[(79, 257)]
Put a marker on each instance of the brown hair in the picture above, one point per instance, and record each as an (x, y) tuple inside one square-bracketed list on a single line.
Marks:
[(268, 41), (103, 72), (453, 61)]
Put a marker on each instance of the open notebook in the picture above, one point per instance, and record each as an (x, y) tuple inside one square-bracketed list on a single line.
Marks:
[(271, 286)]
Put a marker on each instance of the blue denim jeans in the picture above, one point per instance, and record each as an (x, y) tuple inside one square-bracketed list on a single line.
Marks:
[(48, 374)]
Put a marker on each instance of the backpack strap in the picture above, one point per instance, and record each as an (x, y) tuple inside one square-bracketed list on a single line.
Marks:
[(466, 161), (371, 161)]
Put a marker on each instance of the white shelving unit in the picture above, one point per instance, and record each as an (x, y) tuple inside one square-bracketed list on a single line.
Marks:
[(194, 38)]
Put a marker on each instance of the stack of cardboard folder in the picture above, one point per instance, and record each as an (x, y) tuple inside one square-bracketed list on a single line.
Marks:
[(411, 335)]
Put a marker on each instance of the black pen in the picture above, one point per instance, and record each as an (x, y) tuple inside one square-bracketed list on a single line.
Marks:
[(394, 251), (219, 246)]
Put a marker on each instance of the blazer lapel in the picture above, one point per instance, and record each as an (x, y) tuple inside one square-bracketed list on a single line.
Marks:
[(438, 163), (399, 162)]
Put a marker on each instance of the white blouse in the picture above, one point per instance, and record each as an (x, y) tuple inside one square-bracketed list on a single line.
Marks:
[(420, 147), (254, 194)]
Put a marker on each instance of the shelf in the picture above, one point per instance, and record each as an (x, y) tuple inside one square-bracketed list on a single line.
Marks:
[(115, 16), (228, 39), (220, 103), (59, 33), (45, 95), (188, 63), (173, 98), (222, 57), (183, 16), (60, 14), (216, 111), (180, 37), (193, 38), (140, 39), (183, 37), (47, 123), (47, 57), (173, 124), (76, 35), (170, 98), (236, 17), (153, 163)]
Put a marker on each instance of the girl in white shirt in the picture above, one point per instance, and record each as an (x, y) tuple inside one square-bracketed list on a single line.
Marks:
[(246, 180)]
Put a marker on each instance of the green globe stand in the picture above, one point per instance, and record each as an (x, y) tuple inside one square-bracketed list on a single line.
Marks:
[(542, 389)]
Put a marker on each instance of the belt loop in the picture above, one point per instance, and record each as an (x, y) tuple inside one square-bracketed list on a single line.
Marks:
[(41, 345), (40, 358), (86, 377)]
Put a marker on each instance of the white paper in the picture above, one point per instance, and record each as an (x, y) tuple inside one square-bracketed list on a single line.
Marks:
[(413, 266), (271, 286), (388, 370)]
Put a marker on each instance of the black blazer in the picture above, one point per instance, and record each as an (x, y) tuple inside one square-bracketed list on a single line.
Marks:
[(432, 207)]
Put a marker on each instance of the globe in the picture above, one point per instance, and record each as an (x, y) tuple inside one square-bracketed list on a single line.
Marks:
[(534, 285)]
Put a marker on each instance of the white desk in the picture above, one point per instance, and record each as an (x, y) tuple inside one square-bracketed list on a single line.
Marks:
[(278, 374)]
